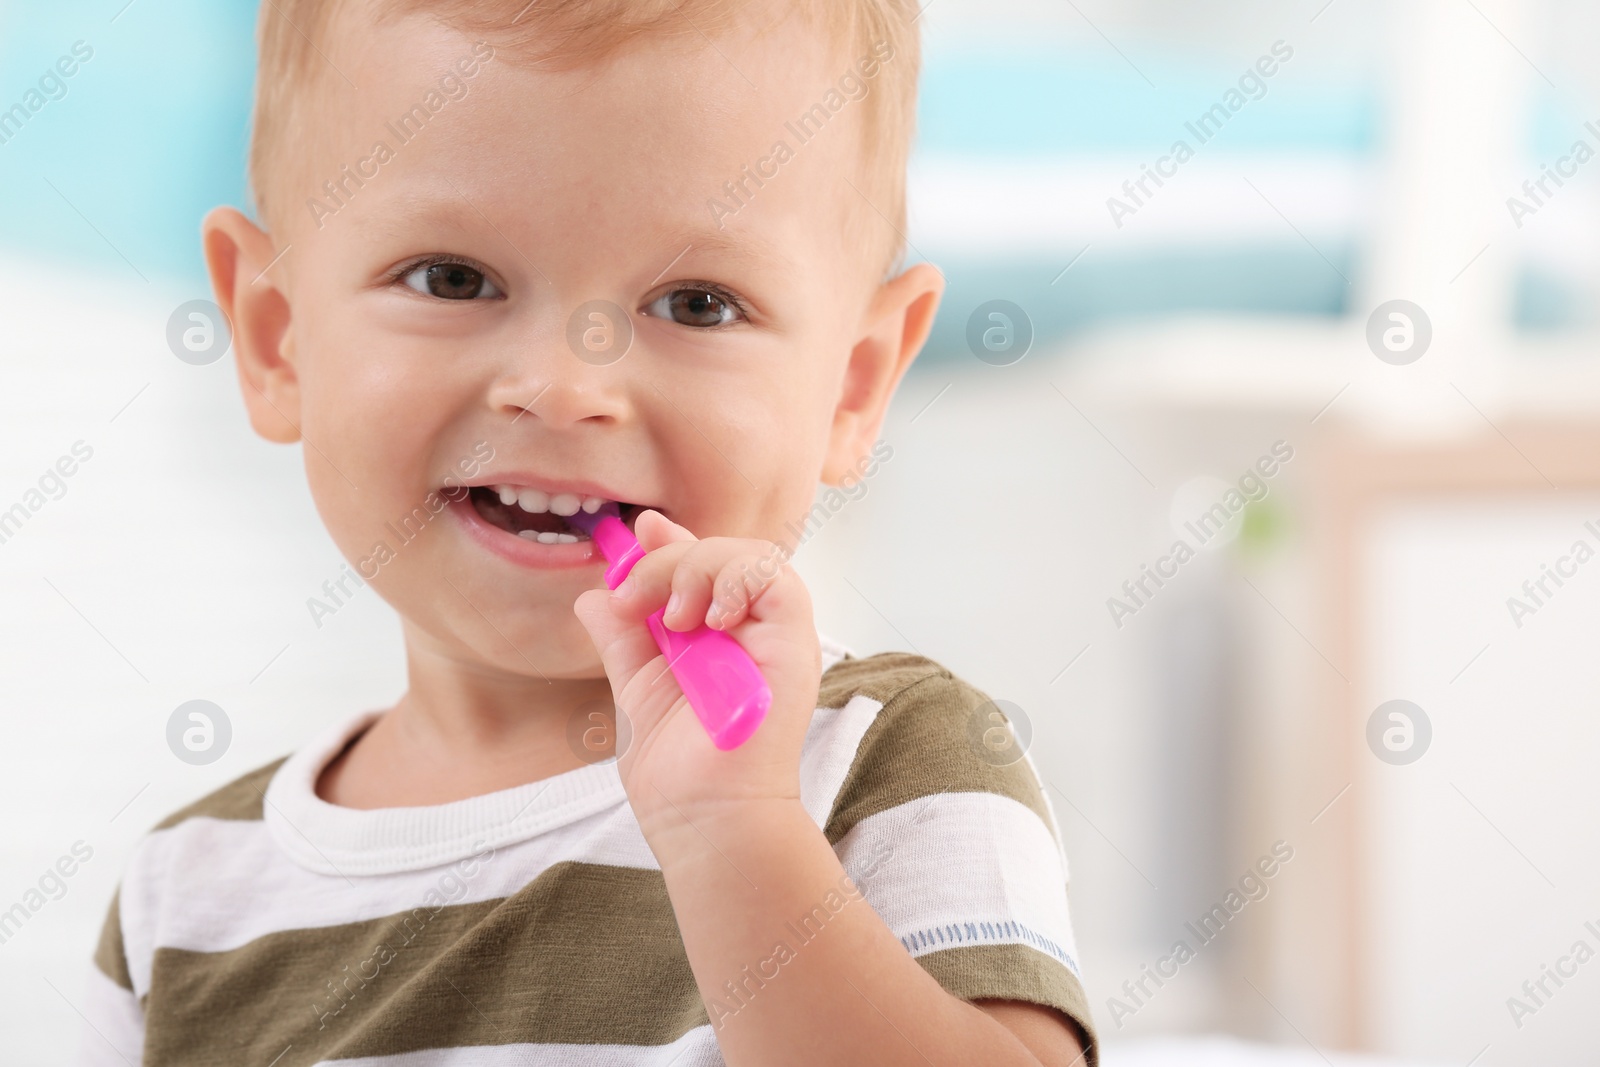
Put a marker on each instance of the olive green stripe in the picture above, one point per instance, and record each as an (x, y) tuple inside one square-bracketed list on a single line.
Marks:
[(240, 799), (585, 954), (926, 740), (876, 677), (108, 954), (1014, 972)]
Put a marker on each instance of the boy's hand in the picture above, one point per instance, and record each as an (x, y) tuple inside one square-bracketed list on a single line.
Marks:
[(679, 784)]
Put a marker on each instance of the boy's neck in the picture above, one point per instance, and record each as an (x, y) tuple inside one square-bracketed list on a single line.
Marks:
[(462, 731)]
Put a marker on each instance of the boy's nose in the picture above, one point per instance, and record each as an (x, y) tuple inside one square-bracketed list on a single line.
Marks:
[(556, 387), (560, 398)]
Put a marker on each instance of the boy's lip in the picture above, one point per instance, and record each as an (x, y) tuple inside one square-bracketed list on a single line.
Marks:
[(528, 480), (519, 550)]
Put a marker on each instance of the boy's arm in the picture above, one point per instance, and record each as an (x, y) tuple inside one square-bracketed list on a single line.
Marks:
[(851, 993), (1039, 1028), (793, 964)]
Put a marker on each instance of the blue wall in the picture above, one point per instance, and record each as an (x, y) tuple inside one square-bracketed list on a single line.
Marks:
[(150, 134)]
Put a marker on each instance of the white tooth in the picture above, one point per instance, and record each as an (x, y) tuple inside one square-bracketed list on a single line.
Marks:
[(530, 535), (566, 539), (593, 504), (564, 503), (548, 537), (533, 500), (508, 494)]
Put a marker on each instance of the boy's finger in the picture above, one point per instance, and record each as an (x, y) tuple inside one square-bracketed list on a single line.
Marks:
[(625, 647), (731, 582), (664, 542), (685, 571), (641, 683), (743, 582), (654, 530), (650, 582)]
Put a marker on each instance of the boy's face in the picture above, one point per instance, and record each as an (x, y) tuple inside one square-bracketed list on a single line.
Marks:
[(431, 312)]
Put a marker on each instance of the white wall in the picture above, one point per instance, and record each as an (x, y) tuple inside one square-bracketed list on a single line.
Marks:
[(1481, 858)]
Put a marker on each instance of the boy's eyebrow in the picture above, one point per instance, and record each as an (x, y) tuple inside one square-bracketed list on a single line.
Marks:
[(404, 211), (749, 248)]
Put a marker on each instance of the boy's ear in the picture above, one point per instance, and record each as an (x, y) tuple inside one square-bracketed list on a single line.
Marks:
[(897, 325), (238, 253)]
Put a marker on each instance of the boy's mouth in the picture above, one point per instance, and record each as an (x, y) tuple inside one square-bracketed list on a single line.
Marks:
[(535, 515)]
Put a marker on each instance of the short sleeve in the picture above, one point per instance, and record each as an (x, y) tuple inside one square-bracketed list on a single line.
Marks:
[(948, 834), (114, 1036)]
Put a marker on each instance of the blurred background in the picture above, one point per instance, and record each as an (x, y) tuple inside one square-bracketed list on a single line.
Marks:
[(1419, 468)]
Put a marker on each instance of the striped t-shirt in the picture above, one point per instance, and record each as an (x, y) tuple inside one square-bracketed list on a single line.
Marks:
[(262, 925)]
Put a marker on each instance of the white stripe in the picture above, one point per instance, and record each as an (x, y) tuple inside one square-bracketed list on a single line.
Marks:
[(830, 750), (210, 885), (697, 1048), (957, 869), (1050, 808), (330, 839), (115, 1034)]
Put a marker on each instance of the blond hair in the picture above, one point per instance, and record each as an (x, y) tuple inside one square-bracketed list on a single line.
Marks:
[(565, 34)]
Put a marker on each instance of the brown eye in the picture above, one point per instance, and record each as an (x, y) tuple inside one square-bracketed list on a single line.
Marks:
[(694, 307), (451, 281)]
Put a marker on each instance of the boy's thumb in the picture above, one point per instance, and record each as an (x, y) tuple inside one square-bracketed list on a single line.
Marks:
[(624, 646)]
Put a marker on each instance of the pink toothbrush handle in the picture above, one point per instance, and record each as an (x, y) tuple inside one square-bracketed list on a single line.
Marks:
[(724, 686)]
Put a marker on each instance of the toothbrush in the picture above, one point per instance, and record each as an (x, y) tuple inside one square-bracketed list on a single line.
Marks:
[(723, 684)]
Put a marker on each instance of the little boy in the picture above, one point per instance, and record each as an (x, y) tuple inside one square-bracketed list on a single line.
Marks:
[(513, 261)]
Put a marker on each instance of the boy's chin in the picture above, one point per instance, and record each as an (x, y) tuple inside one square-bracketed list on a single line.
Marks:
[(542, 641)]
